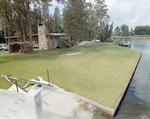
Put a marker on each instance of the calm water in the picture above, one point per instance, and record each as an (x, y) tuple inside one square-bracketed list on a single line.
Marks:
[(136, 104)]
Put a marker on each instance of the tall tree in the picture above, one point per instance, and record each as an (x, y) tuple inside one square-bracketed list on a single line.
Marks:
[(132, 32), (91, 18), (51, 24), (117, 31), (74, 18), (6, 13), (25, 10), (4, 28), (56, 19), (106, 31), (18, 19), (36, 18), (142, 30), (1, 36), (101, 17), (125, 30)]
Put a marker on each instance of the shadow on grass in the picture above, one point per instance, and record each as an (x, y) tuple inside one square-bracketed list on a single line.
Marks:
[(51, 55), (37, 55), (48, 55)]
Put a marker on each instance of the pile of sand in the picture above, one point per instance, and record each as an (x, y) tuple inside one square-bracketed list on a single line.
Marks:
[(87, 43)]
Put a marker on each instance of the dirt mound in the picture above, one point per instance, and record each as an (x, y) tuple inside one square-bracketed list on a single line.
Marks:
[(87, 43)]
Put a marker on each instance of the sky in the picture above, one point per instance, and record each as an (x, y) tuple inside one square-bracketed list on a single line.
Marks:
[(130, 12)]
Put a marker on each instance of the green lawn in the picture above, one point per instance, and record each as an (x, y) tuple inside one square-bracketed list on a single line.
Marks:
[(99, 74)]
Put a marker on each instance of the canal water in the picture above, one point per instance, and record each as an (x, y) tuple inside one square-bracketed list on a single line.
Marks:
[(136, 103)]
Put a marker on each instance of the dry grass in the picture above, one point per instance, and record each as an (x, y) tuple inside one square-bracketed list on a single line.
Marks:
[(99, 74)]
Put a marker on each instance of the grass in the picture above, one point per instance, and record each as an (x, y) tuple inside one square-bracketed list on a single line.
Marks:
[(99, 74)]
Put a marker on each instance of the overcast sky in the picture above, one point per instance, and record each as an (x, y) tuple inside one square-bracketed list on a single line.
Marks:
[(130, 12)]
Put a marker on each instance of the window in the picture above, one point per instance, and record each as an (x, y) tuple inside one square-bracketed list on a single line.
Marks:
[(36, 41)]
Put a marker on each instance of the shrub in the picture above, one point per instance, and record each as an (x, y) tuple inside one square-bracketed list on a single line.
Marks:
[(64, 42)]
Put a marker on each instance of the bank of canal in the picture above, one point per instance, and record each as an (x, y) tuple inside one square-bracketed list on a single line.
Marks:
[(136, 103)]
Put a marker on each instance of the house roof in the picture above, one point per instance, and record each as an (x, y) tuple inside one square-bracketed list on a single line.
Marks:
[(51, 34), (12, 37), (57, 34), (17, 36)]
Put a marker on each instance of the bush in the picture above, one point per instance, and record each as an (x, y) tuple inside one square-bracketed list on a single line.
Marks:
[(64, 42)]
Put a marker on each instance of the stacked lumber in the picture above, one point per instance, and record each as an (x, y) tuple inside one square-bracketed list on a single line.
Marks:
[(21, 48)]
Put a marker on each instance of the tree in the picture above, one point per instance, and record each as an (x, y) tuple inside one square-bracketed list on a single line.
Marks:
[(91, 18), (125, 30), (106, 31), (6, 13), (117, 31), (142, 30), (57, 20), (51, 23), (101, 15), (64, 42), (28, 18), (74, 18), (97, 16), (4, 28), (1, 36), (36, 18), (23, 9), (19, 23), (132, 32)]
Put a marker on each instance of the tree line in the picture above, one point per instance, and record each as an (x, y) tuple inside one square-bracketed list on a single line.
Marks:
[(86, 21), (19, 18), (123, 30), (80, 20)]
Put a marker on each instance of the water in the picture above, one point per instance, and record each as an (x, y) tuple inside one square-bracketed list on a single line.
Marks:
[(136, 104)]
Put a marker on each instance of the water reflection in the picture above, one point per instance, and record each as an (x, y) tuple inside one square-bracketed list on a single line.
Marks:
[(136, 104)]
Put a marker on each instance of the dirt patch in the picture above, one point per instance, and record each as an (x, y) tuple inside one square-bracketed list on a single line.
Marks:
[(77, 53), (87, 43), (85, 106)]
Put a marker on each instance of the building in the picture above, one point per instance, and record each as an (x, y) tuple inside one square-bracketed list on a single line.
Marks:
[(40, 40)]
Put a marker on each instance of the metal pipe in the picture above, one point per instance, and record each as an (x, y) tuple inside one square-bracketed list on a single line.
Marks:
[(48, 77), (16, 86)]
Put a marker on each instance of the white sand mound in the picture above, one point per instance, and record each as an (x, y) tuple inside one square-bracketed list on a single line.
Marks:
[(87, 43)]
